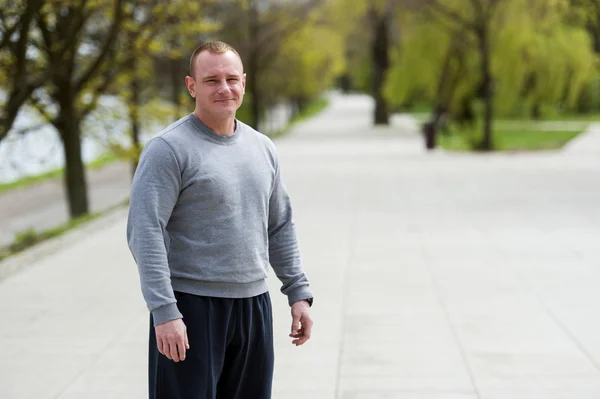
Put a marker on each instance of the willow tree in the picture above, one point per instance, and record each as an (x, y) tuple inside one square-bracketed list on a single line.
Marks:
[(530, 59), (475, 17), (546, 61), (587, 12)]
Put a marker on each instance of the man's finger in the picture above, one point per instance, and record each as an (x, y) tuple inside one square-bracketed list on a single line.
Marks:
[(299, 341), (295, 324), (187, 341), (307, 328), (181, 347), (298, 334), (173, 352), (166, 350), (160, 346)]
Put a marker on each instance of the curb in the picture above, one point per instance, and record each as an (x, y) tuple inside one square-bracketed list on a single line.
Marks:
[(23, 260)]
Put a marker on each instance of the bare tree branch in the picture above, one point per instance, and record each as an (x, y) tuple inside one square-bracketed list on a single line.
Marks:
[(24, 130), (46, 35), (35, 101), (20, 81), (100, 89), (6, 35), (278, 32), (110, 38)]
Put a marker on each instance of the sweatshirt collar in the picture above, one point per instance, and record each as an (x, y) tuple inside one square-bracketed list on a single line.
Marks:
[(212, 135)]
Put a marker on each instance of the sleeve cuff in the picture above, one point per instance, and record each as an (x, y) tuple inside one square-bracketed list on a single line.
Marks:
[(298, 295), (166, 313)]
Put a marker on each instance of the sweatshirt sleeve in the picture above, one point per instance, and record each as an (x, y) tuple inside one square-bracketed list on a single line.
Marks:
[(284, 254), (154, 192)]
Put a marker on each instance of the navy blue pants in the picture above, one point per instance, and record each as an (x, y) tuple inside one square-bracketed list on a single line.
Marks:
[(231, 352)]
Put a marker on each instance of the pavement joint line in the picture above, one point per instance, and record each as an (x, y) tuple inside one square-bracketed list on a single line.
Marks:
[(442, 303), (352, 240), (528, 284)]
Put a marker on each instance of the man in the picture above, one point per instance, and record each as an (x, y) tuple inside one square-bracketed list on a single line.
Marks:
[(208, 213)]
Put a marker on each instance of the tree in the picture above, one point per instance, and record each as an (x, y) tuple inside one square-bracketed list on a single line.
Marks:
[(155, 29), (301, 73), (266, 25), (474, 16), (379, 17), (368, 53), (76, 41), (18, 74), (539, 57)]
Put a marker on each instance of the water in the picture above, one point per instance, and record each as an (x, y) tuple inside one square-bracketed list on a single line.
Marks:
[(40, 150)]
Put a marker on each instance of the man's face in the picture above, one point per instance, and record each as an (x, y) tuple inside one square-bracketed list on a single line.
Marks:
[(218, 85)]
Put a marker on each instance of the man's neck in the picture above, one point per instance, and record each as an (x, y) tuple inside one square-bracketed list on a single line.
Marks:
[(221, 127)]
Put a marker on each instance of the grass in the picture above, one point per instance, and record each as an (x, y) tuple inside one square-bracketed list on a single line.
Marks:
[(54, 174), (312, 109), (30, 237), (551, 132), (511, 140)]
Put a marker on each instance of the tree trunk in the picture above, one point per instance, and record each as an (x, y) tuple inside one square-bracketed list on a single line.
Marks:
[(484, 48), (594, 28), (536, 111), (134, 116), (74, 177), (255, 97), (380, 62), (134, 110)]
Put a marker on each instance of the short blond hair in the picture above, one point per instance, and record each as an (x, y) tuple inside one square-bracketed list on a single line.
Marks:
[(215, 47)]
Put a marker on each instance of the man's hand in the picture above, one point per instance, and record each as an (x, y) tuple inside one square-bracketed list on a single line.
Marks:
[(301, 322), (172, 339)]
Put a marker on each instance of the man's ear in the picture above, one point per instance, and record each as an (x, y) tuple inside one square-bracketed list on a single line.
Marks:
[(244, 84), (191, 86)]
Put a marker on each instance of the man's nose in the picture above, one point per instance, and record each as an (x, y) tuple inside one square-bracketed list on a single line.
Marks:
[(224, 87)]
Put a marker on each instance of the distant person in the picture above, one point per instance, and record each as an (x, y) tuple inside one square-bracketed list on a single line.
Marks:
[(209, 212)]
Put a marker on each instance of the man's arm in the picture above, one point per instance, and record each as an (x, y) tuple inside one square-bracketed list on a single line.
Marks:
[(284, 257), (154, 192), (284, 254)]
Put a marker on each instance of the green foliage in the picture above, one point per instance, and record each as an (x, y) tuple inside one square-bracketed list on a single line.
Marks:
[(539, 57), (101, 161), (302, 71)]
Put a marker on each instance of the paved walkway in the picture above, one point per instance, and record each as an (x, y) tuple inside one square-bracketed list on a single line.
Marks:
[(436, 276)]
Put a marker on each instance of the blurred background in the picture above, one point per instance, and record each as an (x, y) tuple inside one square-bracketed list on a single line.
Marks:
[(83, 84)]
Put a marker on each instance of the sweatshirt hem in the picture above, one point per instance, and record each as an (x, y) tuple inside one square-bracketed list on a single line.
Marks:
[(219, 289)]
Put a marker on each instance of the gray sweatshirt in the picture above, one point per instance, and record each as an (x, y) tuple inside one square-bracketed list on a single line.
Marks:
[(208, 214)]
